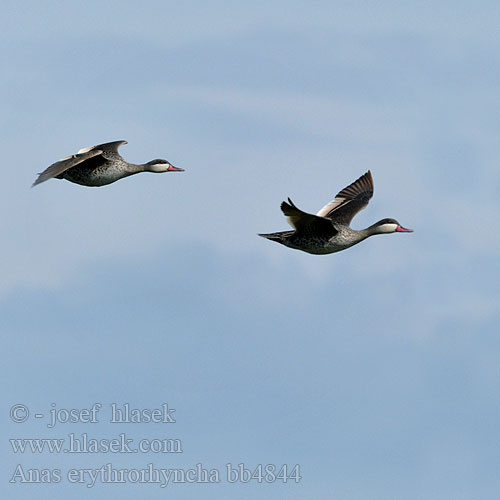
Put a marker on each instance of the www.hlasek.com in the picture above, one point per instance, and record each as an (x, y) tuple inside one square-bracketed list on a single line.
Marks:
[(82, 443), (269, 473)]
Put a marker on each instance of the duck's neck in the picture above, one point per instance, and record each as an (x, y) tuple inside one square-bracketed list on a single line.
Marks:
[(374, 229), (133, 168)]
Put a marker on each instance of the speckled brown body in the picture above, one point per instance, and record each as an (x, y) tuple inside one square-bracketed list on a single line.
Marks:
[(318, 244), (101, 170)]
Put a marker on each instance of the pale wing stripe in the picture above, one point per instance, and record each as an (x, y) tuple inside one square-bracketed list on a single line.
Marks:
[(107, 146)]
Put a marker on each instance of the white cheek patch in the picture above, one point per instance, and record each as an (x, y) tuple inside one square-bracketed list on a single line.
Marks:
[(389, 228), (159, 167)]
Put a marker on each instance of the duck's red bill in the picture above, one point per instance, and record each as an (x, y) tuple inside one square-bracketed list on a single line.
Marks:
[(401, 229), (171, 168)]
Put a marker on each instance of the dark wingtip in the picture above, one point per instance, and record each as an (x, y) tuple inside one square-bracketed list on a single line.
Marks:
[(286, 206), (290, 204)]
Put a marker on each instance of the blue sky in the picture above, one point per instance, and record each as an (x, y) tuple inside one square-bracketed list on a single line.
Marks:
[(376, 369)]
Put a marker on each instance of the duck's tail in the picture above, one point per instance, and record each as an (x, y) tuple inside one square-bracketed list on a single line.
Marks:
[(280, 237)]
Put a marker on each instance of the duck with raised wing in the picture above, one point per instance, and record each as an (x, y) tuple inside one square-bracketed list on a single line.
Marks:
[(100, 165), (329, 230)]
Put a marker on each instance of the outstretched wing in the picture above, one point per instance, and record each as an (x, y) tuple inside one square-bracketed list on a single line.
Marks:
[(350, 200), (107, 146), (65, 164), (305, 223)]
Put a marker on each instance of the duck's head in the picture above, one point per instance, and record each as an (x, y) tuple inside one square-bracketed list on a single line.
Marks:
[(159, 166), (389, 226)]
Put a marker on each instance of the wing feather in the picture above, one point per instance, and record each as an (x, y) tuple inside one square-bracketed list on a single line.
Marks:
[(65, 164), (71, 161), (350, 200)]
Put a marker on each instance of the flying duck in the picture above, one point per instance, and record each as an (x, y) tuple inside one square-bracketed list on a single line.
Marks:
[(329, 230), (100, 165)]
